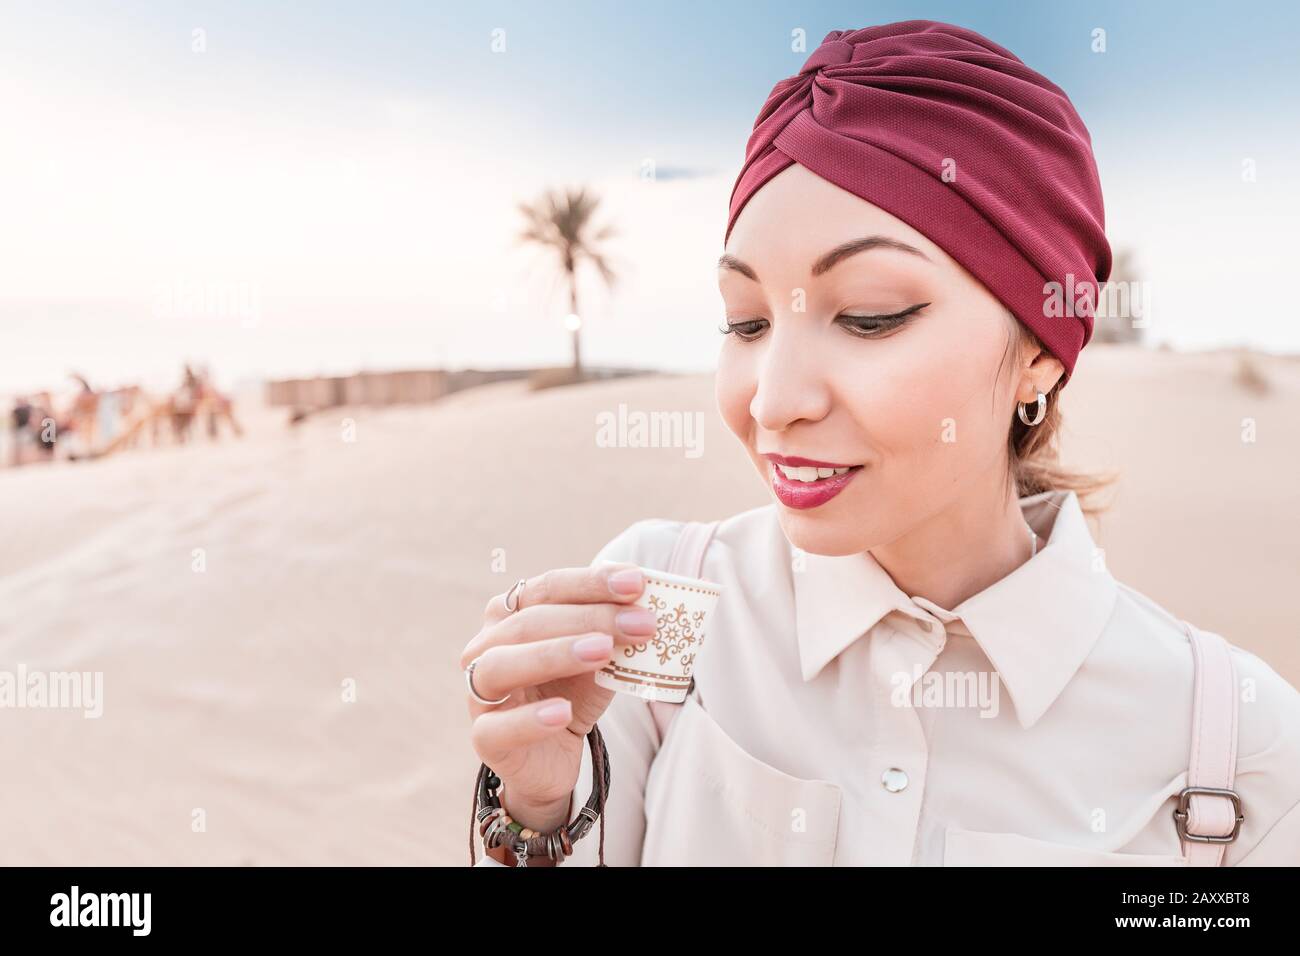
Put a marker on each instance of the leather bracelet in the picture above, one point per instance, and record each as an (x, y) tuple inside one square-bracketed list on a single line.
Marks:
[(501, 853), (496, 828)]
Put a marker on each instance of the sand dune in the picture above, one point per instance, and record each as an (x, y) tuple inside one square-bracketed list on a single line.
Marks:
[(231, 594)]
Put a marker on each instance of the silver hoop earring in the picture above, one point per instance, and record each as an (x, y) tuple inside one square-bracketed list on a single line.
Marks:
[(1039, 412)]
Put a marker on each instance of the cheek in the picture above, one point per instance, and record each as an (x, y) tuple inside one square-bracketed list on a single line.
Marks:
[(925, 403)]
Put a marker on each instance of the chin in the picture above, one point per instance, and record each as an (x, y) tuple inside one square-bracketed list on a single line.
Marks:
[(820, 531)]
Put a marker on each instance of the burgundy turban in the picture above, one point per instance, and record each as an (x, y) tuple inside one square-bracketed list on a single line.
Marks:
[(957, 137)]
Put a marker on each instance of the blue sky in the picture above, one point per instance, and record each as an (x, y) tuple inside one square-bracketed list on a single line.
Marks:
[(358, 164)]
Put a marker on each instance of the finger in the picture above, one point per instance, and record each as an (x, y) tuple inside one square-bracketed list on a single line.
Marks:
[(497, 733), (505, 668), (629, 625), (605, 582)]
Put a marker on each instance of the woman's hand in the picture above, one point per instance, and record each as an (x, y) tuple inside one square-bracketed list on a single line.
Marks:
[(544, 655)]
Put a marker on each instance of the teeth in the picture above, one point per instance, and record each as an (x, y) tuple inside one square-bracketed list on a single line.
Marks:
[(809, 473)]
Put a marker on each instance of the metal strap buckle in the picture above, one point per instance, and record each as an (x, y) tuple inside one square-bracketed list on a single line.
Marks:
[(1184, 802)]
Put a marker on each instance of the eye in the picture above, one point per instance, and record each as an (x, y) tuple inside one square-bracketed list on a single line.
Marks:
[(875, 326), (745, 331)]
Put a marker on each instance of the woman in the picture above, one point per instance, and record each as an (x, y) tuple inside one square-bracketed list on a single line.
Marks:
[(919, 656)]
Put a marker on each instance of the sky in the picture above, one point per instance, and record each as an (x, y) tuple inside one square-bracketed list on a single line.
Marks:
[(282, 189)]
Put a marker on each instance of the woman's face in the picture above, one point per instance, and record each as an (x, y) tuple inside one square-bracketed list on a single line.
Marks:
[(885, 359)]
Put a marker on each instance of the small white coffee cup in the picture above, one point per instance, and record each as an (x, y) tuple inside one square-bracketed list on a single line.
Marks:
[(660, 668)]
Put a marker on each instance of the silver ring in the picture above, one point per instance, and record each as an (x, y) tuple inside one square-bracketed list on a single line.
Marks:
[(469, 681), (516, 591)]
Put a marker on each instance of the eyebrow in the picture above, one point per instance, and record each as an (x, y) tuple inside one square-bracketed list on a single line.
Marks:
[(830, 259)]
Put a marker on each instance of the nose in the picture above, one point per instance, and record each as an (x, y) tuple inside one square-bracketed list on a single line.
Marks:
[(791, 383)]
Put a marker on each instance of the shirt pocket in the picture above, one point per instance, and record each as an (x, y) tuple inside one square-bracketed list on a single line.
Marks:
[(978, 848), (711, 803)]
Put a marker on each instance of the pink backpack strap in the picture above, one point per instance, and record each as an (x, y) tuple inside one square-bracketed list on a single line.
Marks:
[(1209, 812), (688, 560)]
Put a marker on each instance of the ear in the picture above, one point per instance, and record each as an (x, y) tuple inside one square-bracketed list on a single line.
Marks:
[(1040, 370)]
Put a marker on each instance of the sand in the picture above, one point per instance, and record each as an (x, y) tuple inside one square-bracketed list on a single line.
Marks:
[(278, 621)]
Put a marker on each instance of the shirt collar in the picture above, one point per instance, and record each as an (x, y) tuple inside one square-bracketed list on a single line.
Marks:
[(1036, 625)]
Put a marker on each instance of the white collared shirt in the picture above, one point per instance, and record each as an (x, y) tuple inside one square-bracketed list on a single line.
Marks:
[(1044, 720)]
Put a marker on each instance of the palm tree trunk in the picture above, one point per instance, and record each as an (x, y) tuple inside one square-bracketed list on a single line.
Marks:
[(573, 309)]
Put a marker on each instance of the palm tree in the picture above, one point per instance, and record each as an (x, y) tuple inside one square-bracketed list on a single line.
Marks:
[(563, 222)]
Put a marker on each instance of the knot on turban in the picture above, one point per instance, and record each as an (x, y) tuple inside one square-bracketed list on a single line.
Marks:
[(957, 137)]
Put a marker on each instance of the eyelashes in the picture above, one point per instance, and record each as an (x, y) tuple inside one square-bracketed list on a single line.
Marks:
[(862, 326), (742, 330), (870, 326)]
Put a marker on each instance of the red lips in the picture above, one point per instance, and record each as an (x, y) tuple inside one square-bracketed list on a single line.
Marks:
[(807, 494)]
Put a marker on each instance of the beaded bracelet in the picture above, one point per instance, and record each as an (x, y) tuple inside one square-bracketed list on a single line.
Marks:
[(495, 826)]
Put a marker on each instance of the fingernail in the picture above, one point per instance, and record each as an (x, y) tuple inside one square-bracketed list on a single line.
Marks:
[(556, 712), (625, 582), (635, 620), (593, 648)]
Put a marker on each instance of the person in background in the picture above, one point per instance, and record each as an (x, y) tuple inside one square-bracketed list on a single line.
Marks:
[(22, 423), (44, 425), (184, 404)]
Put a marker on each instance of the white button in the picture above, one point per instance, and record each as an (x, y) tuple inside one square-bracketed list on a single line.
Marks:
[(927, 625), (893, 780)]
